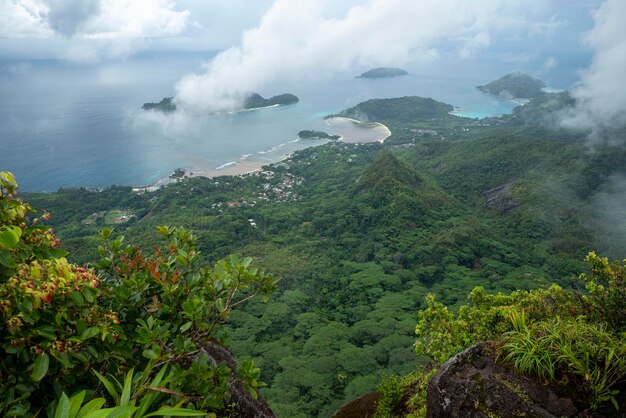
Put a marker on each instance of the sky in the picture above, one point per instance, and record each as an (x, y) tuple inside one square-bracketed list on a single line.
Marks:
[(261, 41)]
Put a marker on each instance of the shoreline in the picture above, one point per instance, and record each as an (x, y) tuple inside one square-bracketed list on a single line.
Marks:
[(244, 166), (386, 132)]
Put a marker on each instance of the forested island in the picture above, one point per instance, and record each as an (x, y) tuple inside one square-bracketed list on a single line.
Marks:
[(363, 237), (516, 85), (252, 101), (383, 72), (317, 135)]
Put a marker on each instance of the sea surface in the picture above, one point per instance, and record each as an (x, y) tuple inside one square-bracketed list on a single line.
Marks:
[(65, 125)]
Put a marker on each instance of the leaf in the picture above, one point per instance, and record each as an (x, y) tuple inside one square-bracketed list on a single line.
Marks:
[(89, 294), (125, 411), (63, 408), (109, 386), (150, 354), (75, 402), (91, 406), (40, 368), (176, 412), (6, 260), (219, 304), (78, 298), (89, 333), (10, 236), (128, 384), (47, 331), (186, 326), (100, 413)]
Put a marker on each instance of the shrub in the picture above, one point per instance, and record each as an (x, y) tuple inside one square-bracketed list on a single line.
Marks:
[(132, 309)]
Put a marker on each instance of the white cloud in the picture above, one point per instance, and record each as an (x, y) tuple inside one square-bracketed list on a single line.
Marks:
[(23, 19), (96, 29), (297, 39), (550, 63), (601, 93)]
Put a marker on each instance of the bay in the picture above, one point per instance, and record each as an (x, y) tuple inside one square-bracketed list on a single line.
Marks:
[(65, 125)]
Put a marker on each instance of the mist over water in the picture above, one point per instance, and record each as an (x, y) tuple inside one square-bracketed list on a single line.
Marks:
[(73, 126)]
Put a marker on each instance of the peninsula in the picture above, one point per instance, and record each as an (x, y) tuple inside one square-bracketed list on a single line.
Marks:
[(513, 86), (252, 101), (317, 135), (383, 72)]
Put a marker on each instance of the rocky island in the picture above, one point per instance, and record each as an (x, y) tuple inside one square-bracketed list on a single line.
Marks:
[(317, 135), (513, 86), (383, 72), (252, 101)]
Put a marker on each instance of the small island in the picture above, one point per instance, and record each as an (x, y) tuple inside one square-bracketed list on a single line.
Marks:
[(383, 72), (255, 101), (514, 86), (318, 135), (252, 101), (399, 110), (166, 105)]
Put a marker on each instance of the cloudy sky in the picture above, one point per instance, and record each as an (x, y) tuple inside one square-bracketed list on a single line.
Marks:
[(90, 30), (265, 40)]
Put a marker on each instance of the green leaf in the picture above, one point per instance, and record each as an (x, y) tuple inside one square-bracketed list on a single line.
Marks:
[(6, 260), (89, 294), (91, 406), (101, 413), (40, 368), (89, 333), (186, 326), (109, 387), (78, 298), (10, 236), (75, 402), (128, 384), (176, 412), (63, 408), (124, 411), (47, 331), (219, 304), (150, 354)]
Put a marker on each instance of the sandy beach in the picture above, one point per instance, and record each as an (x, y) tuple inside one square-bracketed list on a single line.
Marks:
[(234, 168), (355, 131), (350, 130)]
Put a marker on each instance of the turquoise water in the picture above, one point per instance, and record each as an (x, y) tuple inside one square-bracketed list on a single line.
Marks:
[(69, 126)]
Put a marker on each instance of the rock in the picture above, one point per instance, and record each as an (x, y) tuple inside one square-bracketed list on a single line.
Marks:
[(363, 407), (499, 198), (245, 406), (474, 384)]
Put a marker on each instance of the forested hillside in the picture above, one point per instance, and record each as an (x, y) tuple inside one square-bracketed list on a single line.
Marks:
[(359, 234)]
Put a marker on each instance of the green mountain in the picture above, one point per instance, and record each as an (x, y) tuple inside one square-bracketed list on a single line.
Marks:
[(360, 234), (401, 109), (516, 85), (383, 72)]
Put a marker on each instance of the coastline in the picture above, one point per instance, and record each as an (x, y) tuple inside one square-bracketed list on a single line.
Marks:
[(351, 131), (361, 132)]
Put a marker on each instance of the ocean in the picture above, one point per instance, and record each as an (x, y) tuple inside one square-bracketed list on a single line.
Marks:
[(64, 125)]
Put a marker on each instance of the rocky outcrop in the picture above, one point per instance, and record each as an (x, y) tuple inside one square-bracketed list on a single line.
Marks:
[(474, 384), (245, 406), (499, 198), (363, 407)]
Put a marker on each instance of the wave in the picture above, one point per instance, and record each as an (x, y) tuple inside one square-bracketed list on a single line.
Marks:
[(226, 165)]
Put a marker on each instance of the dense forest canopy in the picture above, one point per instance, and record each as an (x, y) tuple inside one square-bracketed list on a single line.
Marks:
[(360, 234)]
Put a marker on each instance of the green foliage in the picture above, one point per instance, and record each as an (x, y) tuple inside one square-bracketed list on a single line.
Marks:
[(156, 312), (403, 109), (391, 391), (554, 334), (363, 236)]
